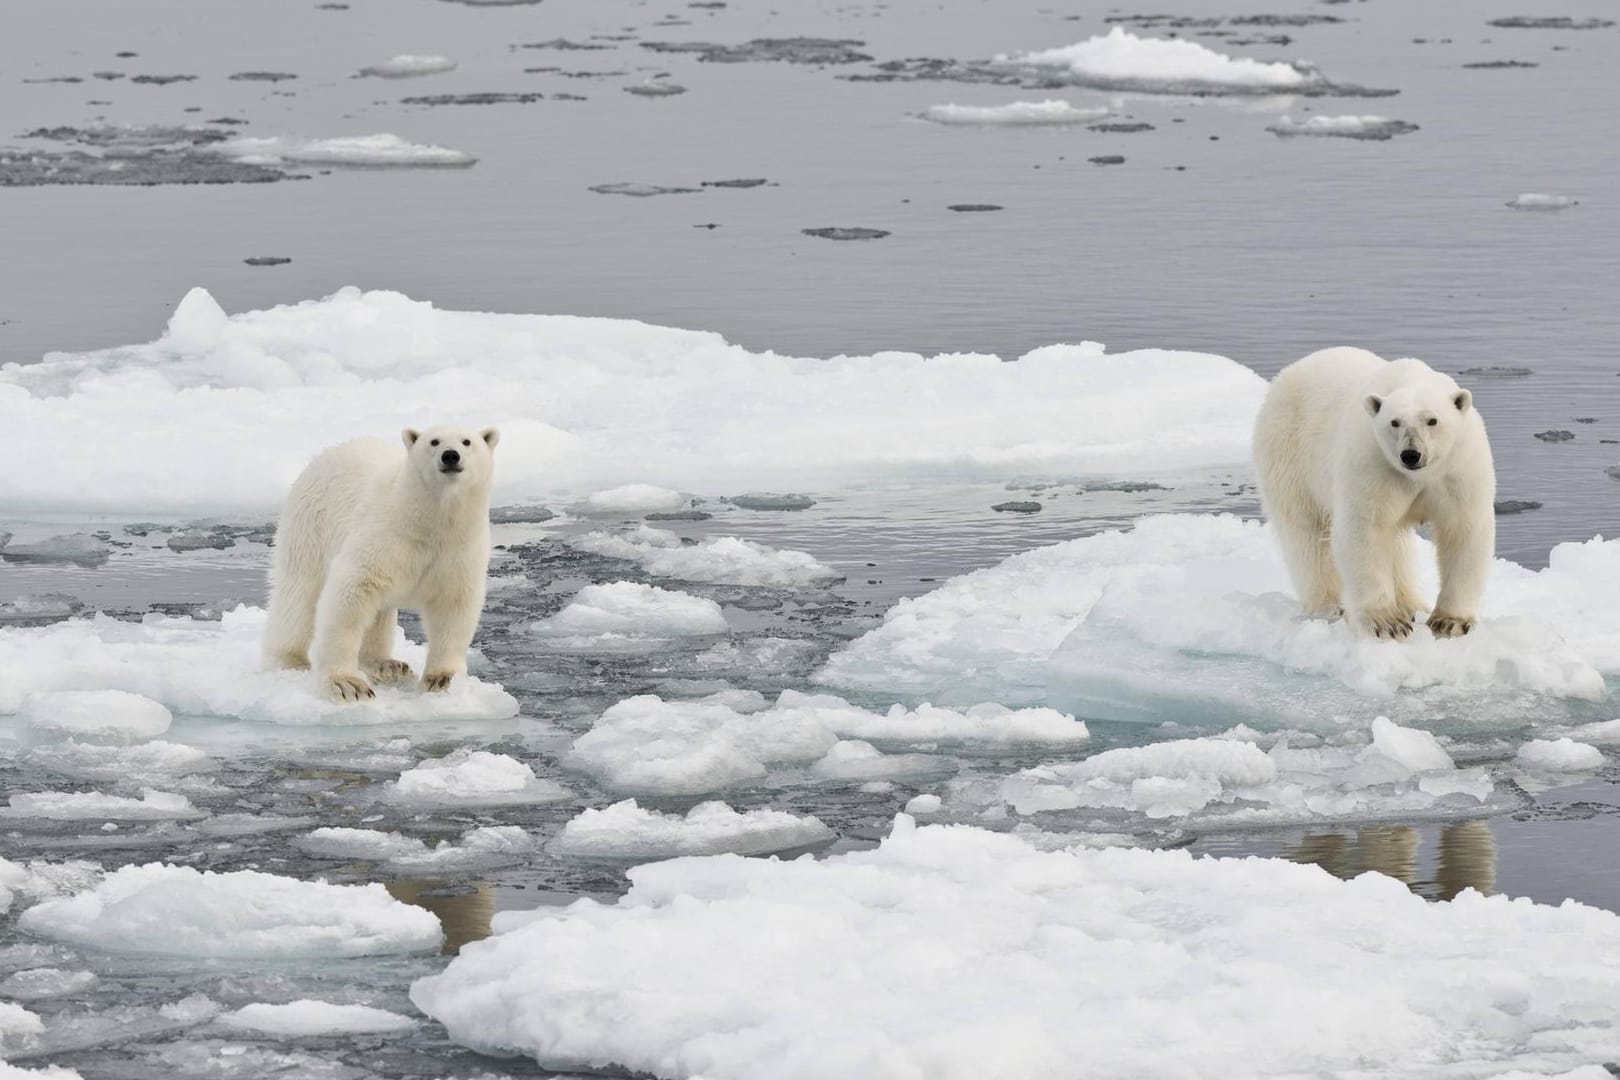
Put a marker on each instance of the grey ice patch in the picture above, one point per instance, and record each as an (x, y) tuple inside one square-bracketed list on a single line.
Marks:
[(1550, 22), (482, 97), (519, 515), (1017, 506), (1555, 436), (656, 89), (640, 191), (1505, 507), (1493, 372), (794, 50), (770, 500), (835, 232)]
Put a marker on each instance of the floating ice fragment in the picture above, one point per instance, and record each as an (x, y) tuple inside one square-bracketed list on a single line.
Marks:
[(634, 499), (1016, 114), (851, 759), (472, 778), (38, 984), (408, 65), (367, 150), (720, 560), (83, 549), (305, 1018), (1120, 60), (94, 806), (341, 843), (1375, 128), (1559, 755), (630, 609), (626, 831), (96, 715), (1537, 201), (770, 500)]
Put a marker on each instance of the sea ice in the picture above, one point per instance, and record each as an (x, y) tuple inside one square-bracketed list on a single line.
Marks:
[(719, 560), (151, 763), (626, 831), (1535, 201), (341, 843), (157, 909), (407, 65), (362, 150), (630, 609), (1015, 114), (472, 778), (1190, 618), (17, 1024), (634, 499), (94, 806), (196, 667), (1376, 128), (854, 760), (1120, 60), (478, 849), (956, 954), (37, 984), (304, 1018), (1559, 755), (584, 404), (96, 715), (83, 549)]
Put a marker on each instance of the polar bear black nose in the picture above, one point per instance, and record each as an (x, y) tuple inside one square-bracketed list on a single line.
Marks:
[(451, 457), (1410, 458)]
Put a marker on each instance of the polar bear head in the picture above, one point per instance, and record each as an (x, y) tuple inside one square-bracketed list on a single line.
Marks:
[(448, 456), (1417, 424)]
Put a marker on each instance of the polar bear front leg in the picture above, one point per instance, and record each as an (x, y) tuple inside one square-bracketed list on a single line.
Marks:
[(450, 621), (377, 648), (347, 609), (1466, 549), (1364, 549)]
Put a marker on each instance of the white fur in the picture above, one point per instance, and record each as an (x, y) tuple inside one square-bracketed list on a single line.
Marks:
[(1327, 447), (369, 528)]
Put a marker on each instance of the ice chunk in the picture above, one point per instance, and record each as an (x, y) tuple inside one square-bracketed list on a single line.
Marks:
[(37, 984), (626, 831), (37, 880), (84, 549), (472, 778), (196, 667), (1416, 750), (720, 560), (957, 954), (339, 843), (41, 608), (634, 499), (115, 716), (1602, 733), (158, 909), (1120, 60), (1374, 128), (151, 763), (771, 500), (91, 805), (1189, 618), (367, 150), (983, 726), (1537, 201), (1559, 755), (924, 804), (305, 1018), (851, 759), (630, 609), (17, 1024), (49, 1072), (408, 65), (1014, 114), (585, 404), (479, 849), (197, 325)]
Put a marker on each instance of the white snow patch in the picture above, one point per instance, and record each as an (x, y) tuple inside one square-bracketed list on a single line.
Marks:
[(1537, 201), (924, 804), (472, 778), (956, 954), (1190, 618), (162, 910), (626, 831), (1014, 114), (305, 1018), (584, 404), (630, 609), (719, 560), (37, 880), (1120, 60), (1559, 755), (195, 667), (409, 65), (96, 715), (635, 499), (94, 806), (363, 150)]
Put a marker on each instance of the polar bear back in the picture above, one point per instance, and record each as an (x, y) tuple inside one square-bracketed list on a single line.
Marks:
[(1311, 416), (337, 491)]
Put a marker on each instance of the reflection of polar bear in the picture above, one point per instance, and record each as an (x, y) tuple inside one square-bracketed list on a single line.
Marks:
[(1352, 452), (368, 529)]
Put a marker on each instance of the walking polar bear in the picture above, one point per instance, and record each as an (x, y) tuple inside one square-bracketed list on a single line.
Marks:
[(370, 528), (1352, 452)]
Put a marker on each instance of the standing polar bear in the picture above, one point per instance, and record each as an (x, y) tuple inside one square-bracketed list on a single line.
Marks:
[(1352, 452), (370, 528)]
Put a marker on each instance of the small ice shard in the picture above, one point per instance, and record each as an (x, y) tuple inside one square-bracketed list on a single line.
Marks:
[(640, 191), (1531, 200), (1051, 112), (306, 1018), (1017, 506), (769, 500), (634, 499), (656, 89), (846, 233), (720, 560), (383, 150), (409, 65), (472, 778), (1374, 128), (632, 609), (626, 831), (519, 515), (1559, 755), (1555, 436)]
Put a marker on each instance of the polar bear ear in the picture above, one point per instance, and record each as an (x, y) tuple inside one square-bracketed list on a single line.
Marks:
[(410, 435), (491, 437), (1462, 399), (1372, 403)]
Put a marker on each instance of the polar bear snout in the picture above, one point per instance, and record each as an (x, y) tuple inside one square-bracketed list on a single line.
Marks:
[(1412, 459), (450, 461)]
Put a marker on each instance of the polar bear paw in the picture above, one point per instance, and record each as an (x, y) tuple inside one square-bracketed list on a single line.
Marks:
[(392, 671), (1444, 624), (1389, 623), (435, 681), (349, 686)]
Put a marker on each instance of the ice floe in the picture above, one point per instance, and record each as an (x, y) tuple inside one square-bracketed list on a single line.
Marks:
[(646, 745), (94, 806), (383, 150), (1190, 618), (157, 909), (479, 849), (472, 778), (957, 953), (409, 65), (149, 763), (634, 499), (600, 615), (38, 984), (1121, 60), (585, 404), (1373, 128), (1050, 112), (304, 1018), (719, 560), (95, 715), (1532, 200), (370, 844), (195, 667), (627, 831), (1559, 755)]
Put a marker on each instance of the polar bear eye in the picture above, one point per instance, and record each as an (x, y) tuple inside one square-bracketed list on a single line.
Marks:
[(468, 442), (1433, 421), (435, 442), (1394, 423)]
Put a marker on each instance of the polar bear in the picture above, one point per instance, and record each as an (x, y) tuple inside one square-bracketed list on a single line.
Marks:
[(1352, 452), (370, 528)]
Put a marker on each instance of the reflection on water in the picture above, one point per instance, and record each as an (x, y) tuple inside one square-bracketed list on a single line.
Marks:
[(463, 910), (1466, 856)]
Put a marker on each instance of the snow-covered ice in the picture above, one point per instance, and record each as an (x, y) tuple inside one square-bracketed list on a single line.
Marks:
[(38, 984), (1191, 618), (1374, 128), (303, 1018), (718, 560), (627, 831), (470, 777), (627, 609), (150, 763), (94, 715), (1532, 200), (634, 499), (1121, 60), (1559, 755), (164, 910), (585, 404), (344, 843), (409, 65), (94, 806), (1050, 112), (851, 760), (384, 150), (646, 745), (196, 667), (956, 953)]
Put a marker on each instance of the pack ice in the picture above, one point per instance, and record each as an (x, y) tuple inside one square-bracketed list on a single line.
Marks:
[(1121, 60), (956, 953)]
